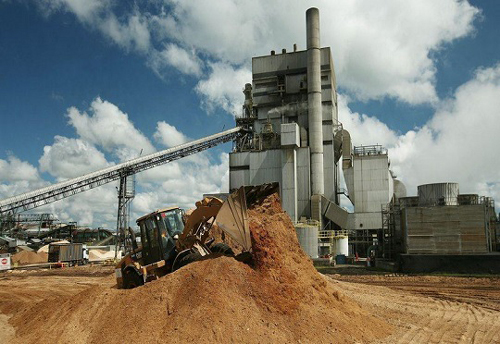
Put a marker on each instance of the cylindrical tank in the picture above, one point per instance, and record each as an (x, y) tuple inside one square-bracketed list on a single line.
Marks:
[(315, 112), (342, 245), (308, 238), (438, 194)]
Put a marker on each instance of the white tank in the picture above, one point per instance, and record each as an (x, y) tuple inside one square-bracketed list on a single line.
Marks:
[(438, 194), (308, 238), (342, 245)]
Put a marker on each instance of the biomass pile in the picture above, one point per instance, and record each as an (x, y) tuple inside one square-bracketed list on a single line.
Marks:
[(280, 299), (96, 255), (29, 257)]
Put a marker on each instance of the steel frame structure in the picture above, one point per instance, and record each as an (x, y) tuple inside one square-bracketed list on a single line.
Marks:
[(92, 180)]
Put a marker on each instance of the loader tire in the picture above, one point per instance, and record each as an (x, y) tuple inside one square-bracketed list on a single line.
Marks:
[(222, 248), (131, 279), (187, 259)]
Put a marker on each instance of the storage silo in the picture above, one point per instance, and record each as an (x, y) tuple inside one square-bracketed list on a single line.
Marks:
[(308, 238), (438, 194), (342, 245)]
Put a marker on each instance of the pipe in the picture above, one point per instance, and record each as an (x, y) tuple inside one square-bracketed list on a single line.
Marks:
[(315, 117)]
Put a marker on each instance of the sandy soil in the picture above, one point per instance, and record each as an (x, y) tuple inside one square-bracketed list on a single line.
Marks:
[(23, 288), (279, 298), (423, 309), (430, 309)]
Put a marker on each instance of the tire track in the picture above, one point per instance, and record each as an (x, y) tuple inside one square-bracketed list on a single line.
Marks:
[(431, 314)]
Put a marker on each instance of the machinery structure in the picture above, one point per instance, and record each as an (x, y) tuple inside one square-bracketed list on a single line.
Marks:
[(120, 172), (371, 185), (291, 111), (441, 229), (169, 241), (10, 221)]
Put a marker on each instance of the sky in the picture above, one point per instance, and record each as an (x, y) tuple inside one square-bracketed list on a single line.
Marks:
[(85, 84)]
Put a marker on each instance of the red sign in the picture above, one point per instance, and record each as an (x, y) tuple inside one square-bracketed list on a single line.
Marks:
[(4, 261)]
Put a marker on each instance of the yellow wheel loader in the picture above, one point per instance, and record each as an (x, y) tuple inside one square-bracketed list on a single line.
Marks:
[(170, 240)]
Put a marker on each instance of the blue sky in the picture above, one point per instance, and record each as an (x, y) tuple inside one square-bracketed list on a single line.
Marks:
[(86, 84)]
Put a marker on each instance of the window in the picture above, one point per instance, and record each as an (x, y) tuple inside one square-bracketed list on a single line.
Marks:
[(172, 220), (144, 236), (152, 231)]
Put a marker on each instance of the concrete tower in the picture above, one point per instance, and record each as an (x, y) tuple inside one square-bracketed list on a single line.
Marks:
[(291, 110)]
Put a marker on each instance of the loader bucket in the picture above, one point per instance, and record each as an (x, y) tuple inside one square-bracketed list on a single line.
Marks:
[(232, 217)]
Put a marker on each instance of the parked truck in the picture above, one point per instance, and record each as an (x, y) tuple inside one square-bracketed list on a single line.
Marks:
[(71, 253)]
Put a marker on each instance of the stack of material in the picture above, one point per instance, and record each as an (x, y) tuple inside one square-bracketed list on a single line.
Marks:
[(46, 247), (281, 299), (96, 255), (27, 257)]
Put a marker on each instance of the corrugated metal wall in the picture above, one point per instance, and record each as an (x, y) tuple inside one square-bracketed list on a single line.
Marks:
[(445, 229), (371, 183)]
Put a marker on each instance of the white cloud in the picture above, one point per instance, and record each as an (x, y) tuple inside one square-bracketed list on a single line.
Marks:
[(173, 55), (223, 88), (70, 158), (168, 135), (460, 141), (459, 144), (364, 129), (17, 176), (181, 182), (13, 170), (130, 31), (381, 48), (227, 30), (185, 189), (94, 208), (110, 128), (133, 33)]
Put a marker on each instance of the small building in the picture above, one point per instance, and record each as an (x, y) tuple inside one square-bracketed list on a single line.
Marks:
[(442, 230), (445, 222)]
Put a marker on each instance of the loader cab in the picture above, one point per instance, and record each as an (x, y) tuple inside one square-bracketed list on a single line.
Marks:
[(159, 231)]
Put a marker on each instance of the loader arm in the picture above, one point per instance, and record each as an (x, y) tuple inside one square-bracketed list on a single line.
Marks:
[(230, 215), (198, 224)]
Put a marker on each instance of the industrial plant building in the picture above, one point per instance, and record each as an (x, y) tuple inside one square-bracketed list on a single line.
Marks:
[(294, 138), (289, 133), (291, 110)]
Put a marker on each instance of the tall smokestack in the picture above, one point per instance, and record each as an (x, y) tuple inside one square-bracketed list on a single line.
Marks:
[(315, 116)]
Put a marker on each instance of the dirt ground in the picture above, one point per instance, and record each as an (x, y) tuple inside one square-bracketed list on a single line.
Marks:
[(22, 288), (422, 309), (278, 297), (427, 309)]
